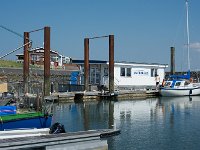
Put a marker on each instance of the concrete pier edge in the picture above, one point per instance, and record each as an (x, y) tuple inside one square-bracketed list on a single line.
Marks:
[(97, 96)]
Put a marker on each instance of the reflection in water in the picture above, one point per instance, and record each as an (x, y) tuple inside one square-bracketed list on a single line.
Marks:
[(84, 116), (177, 106), (156, 123)]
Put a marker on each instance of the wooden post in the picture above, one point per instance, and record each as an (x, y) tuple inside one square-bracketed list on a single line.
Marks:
[(86, 64), (26, 62), (46, 61), (111, 63), (172, 60)]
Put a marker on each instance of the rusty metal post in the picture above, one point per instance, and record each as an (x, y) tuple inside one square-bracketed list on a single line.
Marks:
[(26, 62), (86, 63), (46, 61), (172, 60), (111, 63)]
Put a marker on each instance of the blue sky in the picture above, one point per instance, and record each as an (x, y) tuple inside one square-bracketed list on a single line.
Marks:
[(144, 30)]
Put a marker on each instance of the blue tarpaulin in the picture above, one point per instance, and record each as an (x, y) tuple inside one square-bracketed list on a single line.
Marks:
[(7, 110), (74, 77)]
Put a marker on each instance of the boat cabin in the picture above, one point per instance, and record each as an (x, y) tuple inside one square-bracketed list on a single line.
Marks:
[(176, 83)]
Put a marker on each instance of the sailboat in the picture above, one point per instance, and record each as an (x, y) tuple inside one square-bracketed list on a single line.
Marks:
[(181, 85)]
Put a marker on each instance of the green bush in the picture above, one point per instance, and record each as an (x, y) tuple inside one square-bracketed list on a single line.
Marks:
[(10, 63)]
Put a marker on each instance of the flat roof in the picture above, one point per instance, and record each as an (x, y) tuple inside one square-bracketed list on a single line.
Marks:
[(77, 61)]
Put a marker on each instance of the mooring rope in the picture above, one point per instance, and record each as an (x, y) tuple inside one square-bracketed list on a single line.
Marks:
[(15, 50), (14, 32)]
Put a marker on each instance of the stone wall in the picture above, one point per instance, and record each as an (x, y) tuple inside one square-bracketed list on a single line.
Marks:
[(14, 79)]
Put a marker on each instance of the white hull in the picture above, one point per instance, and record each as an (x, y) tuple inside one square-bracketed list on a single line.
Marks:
[(23, 133), (180, 91)]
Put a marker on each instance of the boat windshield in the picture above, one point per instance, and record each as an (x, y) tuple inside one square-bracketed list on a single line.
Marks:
[(178, 83), (181, 83), (168, 83)]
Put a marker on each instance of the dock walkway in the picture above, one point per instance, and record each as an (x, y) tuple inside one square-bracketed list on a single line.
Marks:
[(97, 95), (68, 140)]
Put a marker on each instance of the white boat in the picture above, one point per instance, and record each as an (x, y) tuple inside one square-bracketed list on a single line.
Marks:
[(56, 128), (18, 133), (181, 85)]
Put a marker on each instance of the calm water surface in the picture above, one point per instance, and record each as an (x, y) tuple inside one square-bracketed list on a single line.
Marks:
[(156, 123)]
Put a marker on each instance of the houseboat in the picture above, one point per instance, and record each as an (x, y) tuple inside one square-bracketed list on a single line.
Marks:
[(127, 75)]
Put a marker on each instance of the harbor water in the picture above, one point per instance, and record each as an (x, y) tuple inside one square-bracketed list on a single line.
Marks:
[(155, 123)]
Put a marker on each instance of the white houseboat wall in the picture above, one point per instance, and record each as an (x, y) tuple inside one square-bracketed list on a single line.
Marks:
[(137, 75), (127, 75)]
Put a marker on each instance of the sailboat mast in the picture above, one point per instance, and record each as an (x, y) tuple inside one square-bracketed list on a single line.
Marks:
[(188, 35)]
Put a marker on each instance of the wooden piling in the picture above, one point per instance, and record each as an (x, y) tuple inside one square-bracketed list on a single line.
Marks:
[(86, 64), (46, 61), (111, 63), (26, 62), (172, 60)]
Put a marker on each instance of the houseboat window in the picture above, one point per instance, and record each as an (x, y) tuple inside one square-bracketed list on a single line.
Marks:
[(156, 72), (105, 71), (94, 76), (122, 72), (82, 69), (98, 76), (128, 72), (153, 72)]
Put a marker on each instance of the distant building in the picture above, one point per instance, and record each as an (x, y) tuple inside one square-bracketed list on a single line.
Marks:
[(37, 58), (127, 75)]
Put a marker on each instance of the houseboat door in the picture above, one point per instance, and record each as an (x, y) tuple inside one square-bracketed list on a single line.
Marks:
[(94, 75)]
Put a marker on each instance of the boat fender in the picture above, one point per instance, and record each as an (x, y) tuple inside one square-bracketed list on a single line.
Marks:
[(57, 128), (163, 83)]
